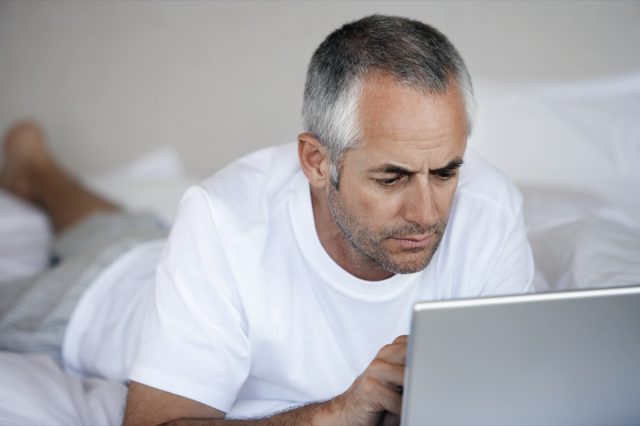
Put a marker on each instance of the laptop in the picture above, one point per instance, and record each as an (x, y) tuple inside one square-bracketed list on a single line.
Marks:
[(565, 358)]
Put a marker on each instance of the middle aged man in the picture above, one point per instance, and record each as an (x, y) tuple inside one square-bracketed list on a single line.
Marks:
[(288, 279), (285, 288)]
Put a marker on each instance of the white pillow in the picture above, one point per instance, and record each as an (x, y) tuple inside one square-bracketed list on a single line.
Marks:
[(584, 136), (580, 241), (547, 207), (154, 182), (591, 252)]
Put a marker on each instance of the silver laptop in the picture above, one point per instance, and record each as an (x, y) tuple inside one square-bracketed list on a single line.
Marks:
[(569, 358)]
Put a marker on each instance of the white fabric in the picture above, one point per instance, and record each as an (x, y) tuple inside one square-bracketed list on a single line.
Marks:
[(35, 391), (580, 241), (153, 182), (24, 239), (251, 315), (102, 335), (579, 135)]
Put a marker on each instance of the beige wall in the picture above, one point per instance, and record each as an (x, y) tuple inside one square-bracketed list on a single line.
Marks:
[(112, 80)]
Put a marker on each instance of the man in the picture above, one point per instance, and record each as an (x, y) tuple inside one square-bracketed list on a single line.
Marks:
[(285, 288), (287, 281)]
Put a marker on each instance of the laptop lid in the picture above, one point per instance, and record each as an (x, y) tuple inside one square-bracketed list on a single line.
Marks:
[(539, 359)]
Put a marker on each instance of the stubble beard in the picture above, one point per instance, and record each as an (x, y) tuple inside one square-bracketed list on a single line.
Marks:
[(368, 243)]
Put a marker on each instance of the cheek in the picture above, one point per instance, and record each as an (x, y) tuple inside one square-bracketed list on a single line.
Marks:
[(443, 198), (371, 207)]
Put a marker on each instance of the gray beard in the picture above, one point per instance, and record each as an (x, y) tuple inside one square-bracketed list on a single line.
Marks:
[(369, 249)]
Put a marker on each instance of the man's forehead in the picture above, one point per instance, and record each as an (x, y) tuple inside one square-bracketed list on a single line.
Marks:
[(384, 90), (397, 120)]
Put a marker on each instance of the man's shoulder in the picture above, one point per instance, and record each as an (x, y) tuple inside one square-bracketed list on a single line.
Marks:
[(246, 194), (255, 178), (483, 184), (485, 250), (270, 162)]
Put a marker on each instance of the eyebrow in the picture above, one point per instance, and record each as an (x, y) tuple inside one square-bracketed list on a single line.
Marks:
[(389, 168), (454, 164)]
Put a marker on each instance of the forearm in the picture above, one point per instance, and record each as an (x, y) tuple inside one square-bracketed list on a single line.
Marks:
[(318, 413)]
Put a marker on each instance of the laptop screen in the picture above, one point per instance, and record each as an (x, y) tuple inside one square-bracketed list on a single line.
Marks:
[(545, 359)]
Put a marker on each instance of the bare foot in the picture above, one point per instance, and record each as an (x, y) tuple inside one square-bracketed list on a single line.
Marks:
[(31, 173), (25, 155)]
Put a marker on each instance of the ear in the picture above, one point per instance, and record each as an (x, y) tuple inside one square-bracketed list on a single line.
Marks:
[(314, 160)]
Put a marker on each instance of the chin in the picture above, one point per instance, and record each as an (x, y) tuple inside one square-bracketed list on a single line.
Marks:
[(403, 265)]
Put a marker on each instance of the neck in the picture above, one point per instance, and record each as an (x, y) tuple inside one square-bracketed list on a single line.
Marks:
[(338, 247)]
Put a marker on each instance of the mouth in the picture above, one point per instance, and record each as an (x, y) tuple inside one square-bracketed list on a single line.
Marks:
[(414, 241)]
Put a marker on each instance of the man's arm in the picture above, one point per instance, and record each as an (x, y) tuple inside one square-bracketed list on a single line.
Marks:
[(375, 397), (147, 405)]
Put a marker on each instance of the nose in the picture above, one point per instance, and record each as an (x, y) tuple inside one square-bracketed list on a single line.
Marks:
[(420, 207)]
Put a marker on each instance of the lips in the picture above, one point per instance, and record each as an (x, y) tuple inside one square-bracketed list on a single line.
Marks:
[(414, 241)]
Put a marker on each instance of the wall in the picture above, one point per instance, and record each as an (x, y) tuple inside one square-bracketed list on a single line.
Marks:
[(112, 80)]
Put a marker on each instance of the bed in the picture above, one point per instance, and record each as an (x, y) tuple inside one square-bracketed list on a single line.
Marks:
[(572, 148)]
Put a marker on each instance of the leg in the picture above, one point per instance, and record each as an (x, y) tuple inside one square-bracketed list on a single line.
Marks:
[(31, 173), (35, 311)]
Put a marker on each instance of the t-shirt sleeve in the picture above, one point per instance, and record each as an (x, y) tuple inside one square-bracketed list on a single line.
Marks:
[(194, 339)]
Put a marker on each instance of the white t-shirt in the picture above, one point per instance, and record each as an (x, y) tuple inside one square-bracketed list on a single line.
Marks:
[(250, 315), (102, 336)]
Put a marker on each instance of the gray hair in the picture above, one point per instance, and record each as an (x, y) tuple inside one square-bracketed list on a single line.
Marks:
[(414, 53)]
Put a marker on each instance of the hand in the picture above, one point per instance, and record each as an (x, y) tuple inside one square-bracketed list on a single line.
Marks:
[(376, 395)]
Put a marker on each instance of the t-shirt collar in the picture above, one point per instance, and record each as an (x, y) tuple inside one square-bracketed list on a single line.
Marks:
[(301, 212)]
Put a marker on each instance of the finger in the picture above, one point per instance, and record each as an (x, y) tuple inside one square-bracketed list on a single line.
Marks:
[(402, 339), (390, 419), (389, 400), (395, 353), (391, 375)]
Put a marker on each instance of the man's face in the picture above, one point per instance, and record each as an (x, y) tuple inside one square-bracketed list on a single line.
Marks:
[(396, 187)]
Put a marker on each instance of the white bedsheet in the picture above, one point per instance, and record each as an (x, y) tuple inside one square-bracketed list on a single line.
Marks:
[(35, 391), (25, 237)]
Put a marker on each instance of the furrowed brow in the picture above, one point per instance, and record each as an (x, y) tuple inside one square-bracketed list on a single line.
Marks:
[(391, 169), (451, 166)]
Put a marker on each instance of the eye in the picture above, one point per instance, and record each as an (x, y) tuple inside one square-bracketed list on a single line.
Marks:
[(446, 175), (389, 181)]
